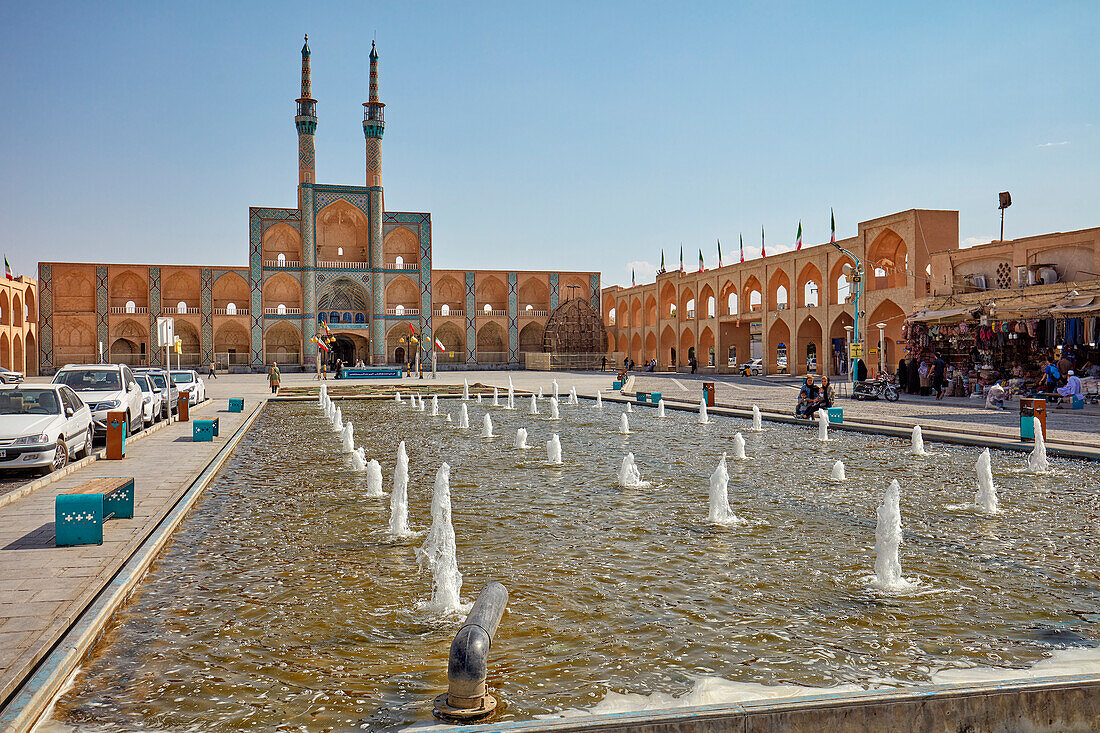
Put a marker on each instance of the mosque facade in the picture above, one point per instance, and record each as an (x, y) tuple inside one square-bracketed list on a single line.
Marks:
[(338, 264)]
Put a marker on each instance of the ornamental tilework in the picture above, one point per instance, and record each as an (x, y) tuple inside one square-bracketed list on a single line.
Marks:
[(156, 352), (471, 320), (426, 285), (306, 156), (594, 287), (513, 319), (206, 315), (553, 291), (45, 315), (102, 327), (255, 286)]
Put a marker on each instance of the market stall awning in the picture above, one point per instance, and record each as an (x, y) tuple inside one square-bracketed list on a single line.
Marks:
[(949, 315), (1079, 306)]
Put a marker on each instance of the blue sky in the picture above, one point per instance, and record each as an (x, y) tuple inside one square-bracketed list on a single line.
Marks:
[(546, 135)]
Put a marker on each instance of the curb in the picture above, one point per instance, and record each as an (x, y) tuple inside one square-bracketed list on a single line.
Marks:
[(40, 688)]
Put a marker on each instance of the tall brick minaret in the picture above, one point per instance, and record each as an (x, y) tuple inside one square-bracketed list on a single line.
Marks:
[(306, 122), (374, 124)]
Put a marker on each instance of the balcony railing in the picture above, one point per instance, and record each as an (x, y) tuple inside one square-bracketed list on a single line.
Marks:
[(691, 314), (781, 306), (754, 308), (125, 309), (283, 312), (282, 263), (450, 312), (402, 265), (341, 264), (533, 313), (237, 312), (402, 311), (492, 312)]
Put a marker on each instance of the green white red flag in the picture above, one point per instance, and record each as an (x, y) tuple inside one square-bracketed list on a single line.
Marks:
[(798, 244)]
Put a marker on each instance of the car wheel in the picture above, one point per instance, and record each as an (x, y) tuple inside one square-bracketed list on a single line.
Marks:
[(60, 455), (87, 449)]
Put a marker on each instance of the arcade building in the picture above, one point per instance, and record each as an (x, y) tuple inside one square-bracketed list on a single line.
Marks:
[(339, 258)]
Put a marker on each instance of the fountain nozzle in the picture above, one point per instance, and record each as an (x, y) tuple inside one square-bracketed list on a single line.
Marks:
[(466, 697)]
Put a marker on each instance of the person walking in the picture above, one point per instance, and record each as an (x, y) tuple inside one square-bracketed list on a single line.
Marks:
[(274, 377), (694, 363), (213, 370), (939, 376)]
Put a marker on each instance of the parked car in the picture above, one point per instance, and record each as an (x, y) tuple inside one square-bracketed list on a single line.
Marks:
[(188, 380), (752, 368), (42, 426), (150, 400), (7, 376), (166, 389), (105, 388)]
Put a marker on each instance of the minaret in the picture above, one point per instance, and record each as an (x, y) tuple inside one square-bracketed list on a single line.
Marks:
[(374, 124), (306, 122)]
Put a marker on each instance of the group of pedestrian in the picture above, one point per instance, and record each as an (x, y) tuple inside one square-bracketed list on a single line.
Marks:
[(926, 375), (812, 398)]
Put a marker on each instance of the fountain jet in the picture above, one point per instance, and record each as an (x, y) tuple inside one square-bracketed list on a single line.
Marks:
[(720, 512), (487, 426), (624, 424), (465, 390), (838, 471), (572, 395), (739, 447), (553, 450), (359, 459), (496, 398), (599, 399), (479, 398), (888, 540), (511, 395), (534, 406), (435, 406), (438, 552), (703, 411), (521, 438), (540, 392), (822, 425), (1037, 460), (374, 478), (464, 418), (554, 409), (987, 492), (397, 397), (338, 421), (555, 386), (399, 499), (660, 408), (629, 475), (348, 437), (756, 419), (917, 447), (629, 407)]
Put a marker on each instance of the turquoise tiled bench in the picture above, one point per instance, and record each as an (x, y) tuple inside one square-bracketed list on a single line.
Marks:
[(79, 513), (641, 397), (204, 430), (236, 404), (836, 414)]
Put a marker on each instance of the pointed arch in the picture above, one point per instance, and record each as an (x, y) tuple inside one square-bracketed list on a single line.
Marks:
[(453, 339), (231, 288), (404, 243), (182, 286), (808, 287), (491, 291), (889, 313), (668, 302), (650, 347), (282, 289), (282, 343), (888, 255), (708, 304), (491, 344), (687, 303), (635, 312), (530, 337), (669, 343), (728, 298), (448, 291), (754, 292), (282, 239), (840, 290), (707, 355), (402, 292), (779, 288), (341, 233), (687, 345), (650, 311), (32, 355), (810, 347), (231, 338), (779, 347), (635, 351), (128, 285), (534, 292), (74, 292)]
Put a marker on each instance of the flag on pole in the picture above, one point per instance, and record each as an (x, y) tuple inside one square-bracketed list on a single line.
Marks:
[(719, 252), (798, 244), (439, 345), (742, 238), (662, 270), (701, 260), (832, 227), (681, 258), (762, 252), (632, 282), (7, 269)]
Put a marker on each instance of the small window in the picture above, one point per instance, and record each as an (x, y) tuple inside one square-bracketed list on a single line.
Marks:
[(445, 310), (231, 309), (281, 259), (181, 307), (399, 261), (131, 306), (488, 308), (399, 310), (280, 309), (530, 308), (339, 251)]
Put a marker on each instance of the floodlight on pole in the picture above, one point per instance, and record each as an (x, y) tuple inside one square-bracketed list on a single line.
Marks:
[(1005, 199), (854, 273)]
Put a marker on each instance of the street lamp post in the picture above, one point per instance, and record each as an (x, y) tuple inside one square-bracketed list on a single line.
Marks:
[(848, 349), (855, 283), (881, 348)]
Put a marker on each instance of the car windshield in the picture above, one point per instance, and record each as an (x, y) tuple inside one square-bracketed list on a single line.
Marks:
[(181, 377), (143, 382), (29, 402), (158, 379), (86, 380)]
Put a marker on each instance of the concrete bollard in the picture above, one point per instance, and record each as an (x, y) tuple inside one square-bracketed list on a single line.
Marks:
[(466, 697)]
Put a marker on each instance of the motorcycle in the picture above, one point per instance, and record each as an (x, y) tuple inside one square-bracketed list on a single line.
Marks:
[(875, 389)]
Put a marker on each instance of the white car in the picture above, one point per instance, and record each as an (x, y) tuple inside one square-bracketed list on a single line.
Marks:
[(42, 426), (7, 376), (105, 388), (188, 380), (150, 399)]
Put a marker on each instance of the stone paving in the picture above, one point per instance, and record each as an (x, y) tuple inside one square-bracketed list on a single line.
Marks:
[(44, 588)]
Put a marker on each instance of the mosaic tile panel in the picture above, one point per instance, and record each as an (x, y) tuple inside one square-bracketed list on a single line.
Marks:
[(45, 316), (156, 353), (553, 291), (103, 331), (255, 287), (471, 320), (594, 286), (513, 318), (426, 285), (206, 316)]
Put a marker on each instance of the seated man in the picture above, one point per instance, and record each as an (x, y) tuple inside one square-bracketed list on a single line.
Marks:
[(995, 397), (1073, 387), (806, 397)]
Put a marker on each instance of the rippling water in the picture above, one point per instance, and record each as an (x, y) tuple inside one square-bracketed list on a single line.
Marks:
[(282, 602)]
